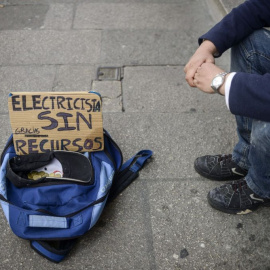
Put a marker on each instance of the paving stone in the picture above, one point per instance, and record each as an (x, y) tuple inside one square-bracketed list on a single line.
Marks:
[(163, 90), (22, 17), (24, 79), (189, 234), (59, 16), (74, 78), (49, 47), (150, 47), (176, 138), (15, 247), (5, 131), (153, 46), (111, 92), (136, 16), (146, 47), (230, 4)]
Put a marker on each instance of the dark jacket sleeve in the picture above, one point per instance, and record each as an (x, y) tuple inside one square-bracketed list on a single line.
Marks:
[(238, 24), (250, 96)]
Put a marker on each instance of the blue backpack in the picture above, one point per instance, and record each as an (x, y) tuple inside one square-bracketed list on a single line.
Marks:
[(53, 214)]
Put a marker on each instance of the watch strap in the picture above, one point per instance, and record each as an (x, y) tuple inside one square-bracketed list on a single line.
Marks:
[(222, 74)]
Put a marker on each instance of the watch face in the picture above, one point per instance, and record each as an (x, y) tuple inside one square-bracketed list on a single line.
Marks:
[(217, 81)]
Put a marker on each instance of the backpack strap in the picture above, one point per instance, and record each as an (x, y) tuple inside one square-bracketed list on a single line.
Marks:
[(128, 172), (54, 251)]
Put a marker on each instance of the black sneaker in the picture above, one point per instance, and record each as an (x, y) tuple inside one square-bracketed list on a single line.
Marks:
[(236, 198), (218, 167)]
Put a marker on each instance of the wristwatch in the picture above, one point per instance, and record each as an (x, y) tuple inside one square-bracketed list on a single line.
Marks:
[(218, 81)]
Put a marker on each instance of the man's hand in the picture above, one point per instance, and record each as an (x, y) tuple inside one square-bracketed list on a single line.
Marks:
[(204, 76), (204, 54)]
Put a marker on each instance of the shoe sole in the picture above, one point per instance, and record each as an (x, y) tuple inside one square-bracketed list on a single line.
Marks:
[(215, 178), (234, 211)]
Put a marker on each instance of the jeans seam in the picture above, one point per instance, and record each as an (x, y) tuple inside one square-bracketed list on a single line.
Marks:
[(249, 55), (246, 57), (261, 54), (245, 51), (244, 158)]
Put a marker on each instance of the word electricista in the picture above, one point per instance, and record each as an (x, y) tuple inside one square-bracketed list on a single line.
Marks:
[(36, 102)]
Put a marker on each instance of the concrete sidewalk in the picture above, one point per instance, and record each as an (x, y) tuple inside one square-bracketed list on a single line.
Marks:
[(162, 221)]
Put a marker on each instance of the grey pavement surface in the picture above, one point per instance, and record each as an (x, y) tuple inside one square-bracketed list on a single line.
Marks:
[(162, 221), (228, 5)]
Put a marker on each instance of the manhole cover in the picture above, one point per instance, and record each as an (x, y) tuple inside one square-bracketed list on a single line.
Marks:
[(110, 73)]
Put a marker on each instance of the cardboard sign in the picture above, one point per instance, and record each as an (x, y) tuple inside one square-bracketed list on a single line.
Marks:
[(46, 121)]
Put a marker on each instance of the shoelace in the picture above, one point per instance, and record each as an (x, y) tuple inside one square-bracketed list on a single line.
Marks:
[(225, 158), (239, 185)]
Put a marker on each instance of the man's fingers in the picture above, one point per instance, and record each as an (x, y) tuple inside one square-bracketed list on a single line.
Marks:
[(196, 78), (190, 74), (190, 70), (210, 60), (190, 78), (187, 67), (190, 82)]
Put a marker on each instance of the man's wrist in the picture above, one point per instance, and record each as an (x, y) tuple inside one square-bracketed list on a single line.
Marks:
[(228, 87), (222, 87), (209, 46)]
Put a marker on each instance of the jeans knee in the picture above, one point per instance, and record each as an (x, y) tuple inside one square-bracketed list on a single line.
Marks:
[(252, 55), (260, 136), (239, 59)]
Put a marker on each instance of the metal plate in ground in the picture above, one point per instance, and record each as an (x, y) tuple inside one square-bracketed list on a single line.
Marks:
[(109, 73)]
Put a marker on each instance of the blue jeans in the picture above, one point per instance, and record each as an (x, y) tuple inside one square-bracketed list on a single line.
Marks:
[(252, 152)]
